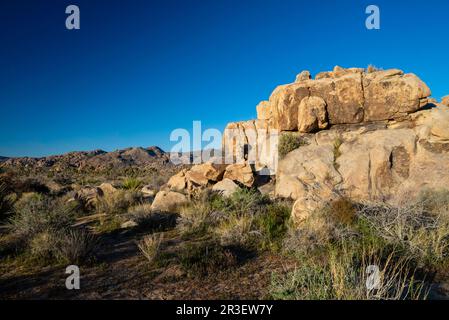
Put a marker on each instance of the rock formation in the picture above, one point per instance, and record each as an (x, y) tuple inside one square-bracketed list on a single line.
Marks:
[(368, 136), (445, 101)]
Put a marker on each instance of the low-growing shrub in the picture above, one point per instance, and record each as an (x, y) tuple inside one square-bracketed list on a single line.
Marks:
[(346, 273), (289, 142), (132, 183), (35, 213), (194, 218), (205, 258), (117, 202)]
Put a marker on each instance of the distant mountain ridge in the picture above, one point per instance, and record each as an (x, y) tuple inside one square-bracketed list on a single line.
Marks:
[(95, 159)]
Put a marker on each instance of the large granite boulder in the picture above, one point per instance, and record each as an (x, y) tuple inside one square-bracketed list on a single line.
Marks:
[(350, 96)]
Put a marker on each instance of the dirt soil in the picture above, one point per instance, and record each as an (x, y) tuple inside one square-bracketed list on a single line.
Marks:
[(121, 272)]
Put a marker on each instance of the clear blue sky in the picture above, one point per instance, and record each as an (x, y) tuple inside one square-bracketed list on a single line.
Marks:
[(139, 69)]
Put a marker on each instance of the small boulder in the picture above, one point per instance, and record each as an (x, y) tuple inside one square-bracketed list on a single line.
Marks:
[(304, 75), (107, 188), (209, 171), (89, 196), (168, 201), (128, 224), (178, 182), (226, 187), (148, 191), (242, 173)]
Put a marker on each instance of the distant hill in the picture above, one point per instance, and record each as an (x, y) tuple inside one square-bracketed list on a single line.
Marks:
[(96, 159)]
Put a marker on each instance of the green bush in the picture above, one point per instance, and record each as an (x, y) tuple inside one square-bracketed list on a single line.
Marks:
[(132, 184), (289, 142)]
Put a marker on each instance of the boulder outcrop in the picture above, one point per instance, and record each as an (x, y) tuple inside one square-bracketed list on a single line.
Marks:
[(369, 135), (347, 96)]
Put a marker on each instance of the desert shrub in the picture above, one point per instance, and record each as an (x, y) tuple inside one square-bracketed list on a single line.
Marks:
[(371, 68), (43, 246), (150, 245), (30, 185), (76, 246), (423, 235), (35, 213), (194, 218), (238, 230), (337, 153), (289, 142), (343, 275), (6, 203), (132, 183), (241, 202), (109, 224), (205, 258), (273, 224), (333, 222), (117, 202), (435, 201)]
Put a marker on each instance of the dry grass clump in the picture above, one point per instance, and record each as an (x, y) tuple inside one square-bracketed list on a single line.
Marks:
[(371, 68), (117, 202), (420, 227), (132, 183), (150, 246), (346, 273), (76, 246), (337, 244)]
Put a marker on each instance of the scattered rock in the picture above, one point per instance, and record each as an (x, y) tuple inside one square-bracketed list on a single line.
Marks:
[(168, 201), (107, 188), (178, 182), (148, 191), (128, 224), (304, 75), (89, 196), (242, 173), (226, 187)]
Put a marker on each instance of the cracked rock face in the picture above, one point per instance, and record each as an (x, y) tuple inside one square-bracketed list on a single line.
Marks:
[(350, 96)]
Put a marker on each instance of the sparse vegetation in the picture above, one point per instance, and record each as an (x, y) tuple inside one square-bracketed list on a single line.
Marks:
[(337, 153), (371, 68), (288, 142), (6, 204), (132, 183), (76, 246), (150, 245), (204, 258)]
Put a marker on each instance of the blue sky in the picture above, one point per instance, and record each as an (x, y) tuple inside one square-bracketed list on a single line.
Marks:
[(138, 69)]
